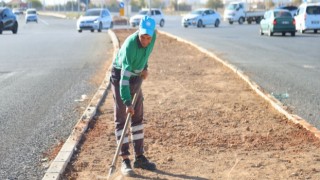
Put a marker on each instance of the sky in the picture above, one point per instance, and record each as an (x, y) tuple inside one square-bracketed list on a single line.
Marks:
[(51, 2), (47, 2)]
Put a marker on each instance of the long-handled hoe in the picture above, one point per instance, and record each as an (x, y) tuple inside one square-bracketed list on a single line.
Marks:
[(128, 120)]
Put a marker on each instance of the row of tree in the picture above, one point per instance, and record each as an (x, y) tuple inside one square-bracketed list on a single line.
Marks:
[(113, 5)]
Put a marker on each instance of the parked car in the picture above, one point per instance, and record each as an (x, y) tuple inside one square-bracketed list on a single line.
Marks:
[(201, 18), (292, 9), (278, 21), (154, 13), (95, 19), (308, 17), (8, 21), (31, 15)]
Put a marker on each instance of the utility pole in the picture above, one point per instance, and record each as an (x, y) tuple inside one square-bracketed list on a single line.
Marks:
[(87, 4), (72, 6), (127, 12), (78, 7), (44, 5)]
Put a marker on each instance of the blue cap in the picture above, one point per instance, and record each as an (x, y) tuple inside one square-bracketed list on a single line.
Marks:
[(147, 26)]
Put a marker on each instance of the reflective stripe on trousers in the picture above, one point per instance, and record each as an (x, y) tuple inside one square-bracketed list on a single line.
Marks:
[(120, 116)]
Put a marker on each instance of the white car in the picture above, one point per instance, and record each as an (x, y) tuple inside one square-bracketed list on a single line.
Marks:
[(31, 15), (17, 11), (201, 18), (292, 9), (156, 14), (308, 17), (95, 19)]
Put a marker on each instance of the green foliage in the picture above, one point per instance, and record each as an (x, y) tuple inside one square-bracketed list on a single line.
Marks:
[(173, 4), (71, 5), (136, 5), (269, 4), (141, 3), (85, 1), (261, 5), (184, 7), (157, 4), (34, 4), (179, 7), (296, 2), (113, 5), (214, 4)]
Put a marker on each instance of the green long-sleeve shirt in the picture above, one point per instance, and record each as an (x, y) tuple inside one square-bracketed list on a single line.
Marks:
[(132, 59)]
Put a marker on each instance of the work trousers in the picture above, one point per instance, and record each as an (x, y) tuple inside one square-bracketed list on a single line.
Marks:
[(136, 128)]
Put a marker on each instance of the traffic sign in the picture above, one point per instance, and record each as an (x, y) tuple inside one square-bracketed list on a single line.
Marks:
[(121, 4)]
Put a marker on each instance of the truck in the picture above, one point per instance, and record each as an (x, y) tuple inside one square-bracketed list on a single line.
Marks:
[(240, 12)]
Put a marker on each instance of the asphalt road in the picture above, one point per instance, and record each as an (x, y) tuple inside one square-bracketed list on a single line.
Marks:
[(44, 69), (279, 64)]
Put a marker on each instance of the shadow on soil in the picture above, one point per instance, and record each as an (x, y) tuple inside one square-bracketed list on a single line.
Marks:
[(172, 175)]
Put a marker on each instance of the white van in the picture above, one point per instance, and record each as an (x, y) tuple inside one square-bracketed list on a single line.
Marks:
[(155, 13), (308, 17)]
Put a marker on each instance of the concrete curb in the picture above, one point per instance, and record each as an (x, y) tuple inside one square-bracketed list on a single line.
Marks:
[(58, 165), (273, 101)]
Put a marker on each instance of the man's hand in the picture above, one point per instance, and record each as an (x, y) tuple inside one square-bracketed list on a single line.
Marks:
[(144, 74), (130, 110)]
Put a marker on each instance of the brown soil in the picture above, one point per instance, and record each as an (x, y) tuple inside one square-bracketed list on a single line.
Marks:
[(201, 122), (119, 20)]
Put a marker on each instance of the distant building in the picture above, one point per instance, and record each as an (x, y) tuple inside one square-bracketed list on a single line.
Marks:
[(192, 1), (277, 2), (17, 4)]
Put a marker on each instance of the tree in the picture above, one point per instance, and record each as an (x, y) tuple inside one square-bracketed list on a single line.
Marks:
[(296, 2), (85, 2), (269, 4), (173, 4), (34, 4), (71, 5), (157, 4), (142, 3), (214, 4)]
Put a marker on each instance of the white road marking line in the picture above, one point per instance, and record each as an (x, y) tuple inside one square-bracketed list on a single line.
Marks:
[(309, 66), (44, 22), (6, 75)]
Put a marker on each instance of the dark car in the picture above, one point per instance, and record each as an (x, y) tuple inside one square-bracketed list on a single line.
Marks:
[(278, 21), (8, 21)]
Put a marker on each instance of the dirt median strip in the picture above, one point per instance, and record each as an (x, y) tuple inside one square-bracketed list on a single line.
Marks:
[(273, 101), (202, 121)]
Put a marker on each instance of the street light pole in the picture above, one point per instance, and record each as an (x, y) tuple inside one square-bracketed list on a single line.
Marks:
[(87, 2), (78, 7), (44, 5)]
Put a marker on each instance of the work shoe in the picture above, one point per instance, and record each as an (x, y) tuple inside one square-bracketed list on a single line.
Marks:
[(126, 169), (143, 163)]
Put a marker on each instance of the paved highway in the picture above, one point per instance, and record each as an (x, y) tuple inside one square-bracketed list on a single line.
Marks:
[(43, 70), (278, 64)]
